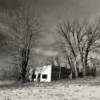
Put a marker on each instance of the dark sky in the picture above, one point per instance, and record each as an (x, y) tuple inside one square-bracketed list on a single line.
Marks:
[(53, 12)]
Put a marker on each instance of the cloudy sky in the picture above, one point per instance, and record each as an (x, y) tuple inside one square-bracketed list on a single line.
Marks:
[(53, 12)]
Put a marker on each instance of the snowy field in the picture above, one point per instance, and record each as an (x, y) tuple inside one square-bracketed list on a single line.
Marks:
[(79, 89)]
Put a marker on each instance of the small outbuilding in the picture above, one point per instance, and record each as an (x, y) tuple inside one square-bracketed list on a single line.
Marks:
[(49, 73), (43, 74)]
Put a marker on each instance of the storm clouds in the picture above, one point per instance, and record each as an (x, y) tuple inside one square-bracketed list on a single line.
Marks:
[(53, 12)]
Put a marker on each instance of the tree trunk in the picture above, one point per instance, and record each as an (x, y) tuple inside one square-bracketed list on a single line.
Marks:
[(59, 72), (25, 59), (75, 69), (24, 71), (85, 62)]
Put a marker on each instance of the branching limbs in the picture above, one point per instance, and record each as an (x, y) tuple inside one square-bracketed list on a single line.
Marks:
[(80, 39)]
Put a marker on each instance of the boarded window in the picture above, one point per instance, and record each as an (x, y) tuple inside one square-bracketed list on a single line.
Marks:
[(44, 76)]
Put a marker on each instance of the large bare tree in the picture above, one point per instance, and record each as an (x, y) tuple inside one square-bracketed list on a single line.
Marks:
[(25, 28), (80, 40)]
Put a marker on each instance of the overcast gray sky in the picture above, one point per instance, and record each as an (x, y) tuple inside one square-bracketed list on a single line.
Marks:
[(53, 12)]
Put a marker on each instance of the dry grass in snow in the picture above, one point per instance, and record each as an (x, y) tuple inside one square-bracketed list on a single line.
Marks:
[(79, 89)]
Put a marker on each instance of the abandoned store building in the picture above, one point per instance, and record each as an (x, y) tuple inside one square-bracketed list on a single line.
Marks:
[(49, 73)]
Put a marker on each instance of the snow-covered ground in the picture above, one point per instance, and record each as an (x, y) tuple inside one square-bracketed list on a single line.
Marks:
[(80, 89)]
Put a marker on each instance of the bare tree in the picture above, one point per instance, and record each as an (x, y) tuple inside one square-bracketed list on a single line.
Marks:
[(68, 31), (80, 40), (25, 28), (92, 41)]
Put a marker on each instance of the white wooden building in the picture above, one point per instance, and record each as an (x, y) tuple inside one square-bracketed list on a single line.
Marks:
[(43, 74)]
